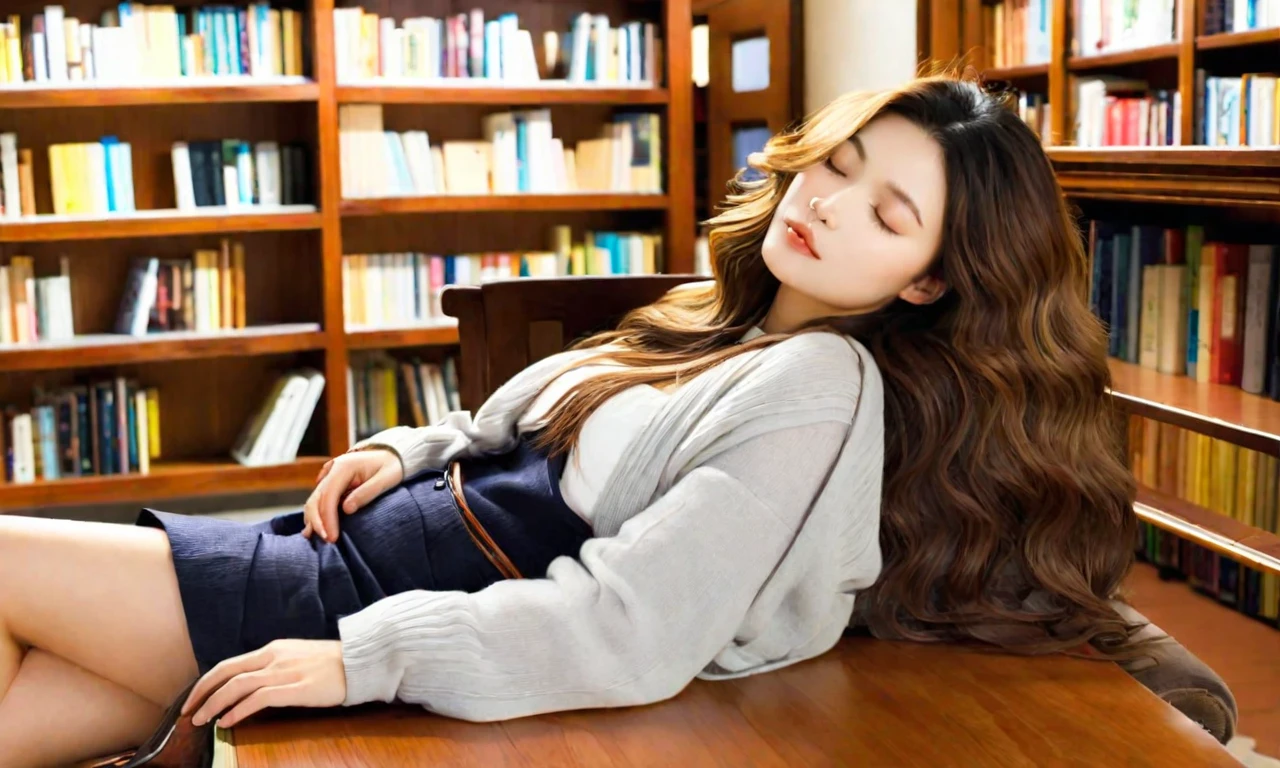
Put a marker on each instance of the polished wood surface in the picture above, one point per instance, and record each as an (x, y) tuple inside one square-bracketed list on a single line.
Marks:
[(867, 702), (569, 201), (1221, 411), (499, 95), (388, 338), (27, 97), (149, 224), (1020, 72), (167, 480), (1269, 36), (1121, 58), (1239, 541)]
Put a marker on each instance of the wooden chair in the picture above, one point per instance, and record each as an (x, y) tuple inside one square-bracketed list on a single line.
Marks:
[(505, 326)]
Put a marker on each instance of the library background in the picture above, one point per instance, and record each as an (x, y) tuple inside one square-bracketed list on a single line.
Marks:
[(225, 230)]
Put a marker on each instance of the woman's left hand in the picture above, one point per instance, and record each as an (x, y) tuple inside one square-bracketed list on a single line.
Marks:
[(283, 673)]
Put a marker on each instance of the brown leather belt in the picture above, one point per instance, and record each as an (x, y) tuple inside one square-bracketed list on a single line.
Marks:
[(483, 541)]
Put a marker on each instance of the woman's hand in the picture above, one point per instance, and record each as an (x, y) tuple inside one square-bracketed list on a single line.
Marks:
[(283, 673), (354, 479)]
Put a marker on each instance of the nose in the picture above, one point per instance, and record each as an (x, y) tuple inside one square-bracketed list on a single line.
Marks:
[(824, 208)]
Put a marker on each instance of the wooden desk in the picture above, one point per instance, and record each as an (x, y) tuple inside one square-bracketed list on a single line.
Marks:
[(867, 702)]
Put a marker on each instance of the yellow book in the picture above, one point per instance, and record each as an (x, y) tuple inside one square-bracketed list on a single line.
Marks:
[(1247, 483), (388, 383), (238, 289), (55, 179), (1204, 341), (153, 422), (1205, 476)]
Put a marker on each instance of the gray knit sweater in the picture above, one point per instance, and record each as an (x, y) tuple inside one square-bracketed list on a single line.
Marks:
[(730, 539)]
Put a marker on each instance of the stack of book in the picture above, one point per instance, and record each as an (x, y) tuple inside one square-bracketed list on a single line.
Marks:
[(467, 45), (1123, 112), (275, 431), (1238, 111), (388, 290), (85, 178), (34, 309), (1017, 31), (133, 42), (1180, 303), (203, 293), (383, 392), (232, 173), (519, 154), (1105, 26), (1217, 475), (1240, 15), (103, 428)]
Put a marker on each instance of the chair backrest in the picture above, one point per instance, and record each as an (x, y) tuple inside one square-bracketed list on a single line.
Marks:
[(506, 325)]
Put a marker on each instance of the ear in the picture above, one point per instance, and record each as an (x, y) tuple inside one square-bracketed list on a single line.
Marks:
[(925, 290)]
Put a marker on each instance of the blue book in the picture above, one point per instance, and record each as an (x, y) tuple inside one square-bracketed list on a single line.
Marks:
[(522, 153), (108, 145), (132, 412)]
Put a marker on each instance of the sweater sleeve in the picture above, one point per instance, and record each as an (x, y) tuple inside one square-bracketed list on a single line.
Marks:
[(632, 621)]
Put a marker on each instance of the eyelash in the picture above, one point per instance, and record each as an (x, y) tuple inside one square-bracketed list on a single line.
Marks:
[(831, 166), (875, 217)]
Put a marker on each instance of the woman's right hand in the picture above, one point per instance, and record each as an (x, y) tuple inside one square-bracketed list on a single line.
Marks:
[(352, 480)]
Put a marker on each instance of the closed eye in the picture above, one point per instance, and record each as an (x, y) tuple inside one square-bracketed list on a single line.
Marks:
[(875, 216), (831, 166)]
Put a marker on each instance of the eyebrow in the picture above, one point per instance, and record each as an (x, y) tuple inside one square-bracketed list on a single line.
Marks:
[(897, 191)]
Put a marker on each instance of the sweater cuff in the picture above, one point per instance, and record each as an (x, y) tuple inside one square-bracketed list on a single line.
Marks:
[(372, 658)]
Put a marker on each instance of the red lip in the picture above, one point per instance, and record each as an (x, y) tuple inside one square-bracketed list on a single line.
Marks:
[(804, 232)]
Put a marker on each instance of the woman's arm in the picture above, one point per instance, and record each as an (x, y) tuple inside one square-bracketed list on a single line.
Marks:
[(638, 618)]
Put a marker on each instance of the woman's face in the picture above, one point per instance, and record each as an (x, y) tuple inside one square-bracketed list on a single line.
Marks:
[(860, 229)]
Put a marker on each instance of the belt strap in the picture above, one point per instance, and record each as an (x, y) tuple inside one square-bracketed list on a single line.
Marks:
[(479, 536)]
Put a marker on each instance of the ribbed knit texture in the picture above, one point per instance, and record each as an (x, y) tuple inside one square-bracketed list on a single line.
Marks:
[(731, 539)]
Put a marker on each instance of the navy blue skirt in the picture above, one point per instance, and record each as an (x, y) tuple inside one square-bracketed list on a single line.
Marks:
[(246, 584)]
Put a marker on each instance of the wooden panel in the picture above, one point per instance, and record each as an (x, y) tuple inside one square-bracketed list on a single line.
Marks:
[(157, 224), (678, 148), (1021, 72), (1251, 37), (1243, 543), (1230, 161), (1221, 411), (1061, 111), (1121, 58), (166, 481), (521, 202), (863, 703), (1187, 20), (30, 97), (387, 338), (498, 95)]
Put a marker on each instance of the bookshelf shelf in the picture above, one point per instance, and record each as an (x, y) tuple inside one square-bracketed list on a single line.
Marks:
[(158, 223), (166, 480), (1168, 51), (1221, 411), (115, 349), (185, 91), (1239, 541), (578, 201), (1269, 36), (412, 336), (543, 93), (1244, 177), (1021, 72)]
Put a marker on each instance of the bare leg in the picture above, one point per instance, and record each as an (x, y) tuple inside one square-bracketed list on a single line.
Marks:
[(102, 597), (10, 659), (49, 695)]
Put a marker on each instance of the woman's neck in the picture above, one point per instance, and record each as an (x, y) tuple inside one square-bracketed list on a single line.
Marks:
[(792, 310)]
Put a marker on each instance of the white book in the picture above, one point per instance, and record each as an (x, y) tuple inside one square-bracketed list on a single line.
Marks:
[(96, 155), (56, 42), (303, 413), (24, 460), (1257, 316), (231, 186), (144, 431), (268, 447), (183, 188), (269, 173), (64, 314), (122, 161), (9, 175), (6, 310)]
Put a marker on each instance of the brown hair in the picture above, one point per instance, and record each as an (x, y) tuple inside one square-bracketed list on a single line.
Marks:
[(1007, 513)]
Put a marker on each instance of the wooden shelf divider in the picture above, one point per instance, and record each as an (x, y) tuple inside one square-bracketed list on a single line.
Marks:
[(1020, 72), (443, 94), (1243, 543), (408, 336), (576, 201), (1268, 36), (167, 480), (209, 91), (1167, 51), (158, 223)]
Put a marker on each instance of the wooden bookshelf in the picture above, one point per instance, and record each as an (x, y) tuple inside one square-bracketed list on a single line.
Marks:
[(210, 383), (1233, 192)]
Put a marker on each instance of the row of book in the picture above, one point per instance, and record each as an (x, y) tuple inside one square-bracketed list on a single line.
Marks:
[(1105, 26), (1233, 481), (1238, 111), (108, 427), (1239, 15), (34, 309), (519, 154), (388, 290), (84, 177), (1017, 31), (203, 293), (1180, 303), (231, 172), (1034, 110), (466, 45), (1113, 111), (274, 433), (383, 392), (134, 41)]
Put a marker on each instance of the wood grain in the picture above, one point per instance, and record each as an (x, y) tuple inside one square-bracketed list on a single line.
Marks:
[(154, 224), (867, 702), (1221, 411), (1020, 72), (497, 95), (1123, 58), (577, 201), (120, 350), (127, 96), (1251, 37), (1239, 541), (387, 338), (166, 481)]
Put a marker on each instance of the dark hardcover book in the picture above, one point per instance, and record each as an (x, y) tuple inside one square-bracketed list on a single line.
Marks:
[(131, 406), (95, 429), (301, 175), (84, 431), (1273, 339), (201, 181), (213, 159), (287, 173), (68, 435), (121, 427), (107, 426)]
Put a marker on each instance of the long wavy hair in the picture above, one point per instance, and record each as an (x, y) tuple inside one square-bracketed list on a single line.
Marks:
[(1007, 515)]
